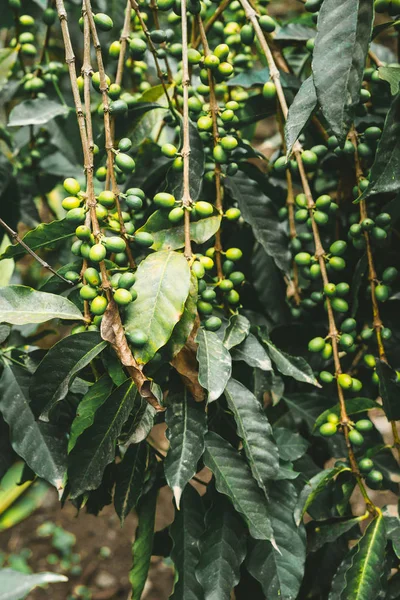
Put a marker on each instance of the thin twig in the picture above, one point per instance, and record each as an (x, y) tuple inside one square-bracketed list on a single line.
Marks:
[(186, 197), (252, 16), (211, 21), (14, 235), (217, 171), (377, 321), (124, 43), (154, 11)]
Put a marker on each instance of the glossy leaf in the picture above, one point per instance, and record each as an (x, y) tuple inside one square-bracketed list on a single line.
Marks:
[(353, 407), (326, 533), (7, 266), (36, 111), (185, 532), (291, 445), (215, 363), (41, 447), (269, 286), (260, 213), (129, 479), (143, 119), (15, 585), (255, 432), (143, 544), (363, 577), (91, 401), (392, 76), (184, 327), (388, 390), (45, 235), (383, 178), (306, 406), (291, 366), (393, 532), (340, 52), (162, 285), (222, 550), (237, 331), (300, 112), (187, 424), (20, 305), (280, 573), (196, 165), (95, 447), (170, 236), (143, 421), (62, 363), (313, 488), (252, 353), (233, 477), (8, 57)]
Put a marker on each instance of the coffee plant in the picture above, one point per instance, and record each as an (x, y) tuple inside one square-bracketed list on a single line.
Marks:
[(214, 188)]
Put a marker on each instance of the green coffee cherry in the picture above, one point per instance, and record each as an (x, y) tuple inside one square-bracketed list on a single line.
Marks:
[(137, 338), (337, 263), (144, 239), (345, 381), (316, 344), (339, 305), (92, 276), (328, 429), (169, 150), (374, 479), (164, 200), (364, 425), (267, 23), (356, 438), (176, 214), (103, 21), (115, 244), (203, 209), (75, 215), (122, 297), (198, 269), (303, 259), (233, 297), (125, 162), (213, 323), (70, 202), (234, 254), (98, 305), (269, 90), (232, 214), (365, 465), (338, 248), (71, 186), (326, 377), (349, 325), (106, 199), (382, 292), (87, 292), (72, 276)]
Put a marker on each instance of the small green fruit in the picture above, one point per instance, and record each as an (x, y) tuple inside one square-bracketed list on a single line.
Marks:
[(316, 344), (164, 200), (98, 305), (97, 253), (122, 297), (345, 381), (364, 425), (356, 438), (137, 338), (213, 323), (328, 429)]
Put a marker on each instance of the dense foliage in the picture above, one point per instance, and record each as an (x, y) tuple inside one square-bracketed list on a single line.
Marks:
[(239, 294)]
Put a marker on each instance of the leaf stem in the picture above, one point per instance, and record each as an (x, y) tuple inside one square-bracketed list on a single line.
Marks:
[(14, 235)]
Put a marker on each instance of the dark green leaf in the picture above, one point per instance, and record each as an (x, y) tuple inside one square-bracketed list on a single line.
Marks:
[(233, 478), (142, 423), (291, 366), (294, 32), (184, 327), (21, 305), (255, 432), (36, 111), (383, 178), (280, 573), (196, 166), (388, 390), (363, 577), (313, 488), (143, 544), (215, 363), (91, 401), (45, 235), (357, 281), (60, 366), (146, 117), (16, 585), (341, 47), (306, 406), (393, 532), (300, 112), (325, 533), (130, 478), (252, 353), (291, 445), (169, 236), (55, 285), (269, 285), (392, 76), (37, 443), (222, 551), (187, 424), (258, 210), (353, 407), (237, 331), (162, 284), (186, 531), (95, 447)]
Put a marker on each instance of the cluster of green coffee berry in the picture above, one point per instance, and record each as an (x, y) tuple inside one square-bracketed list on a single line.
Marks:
[(392, 7), (372, 476), (216, 294)]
